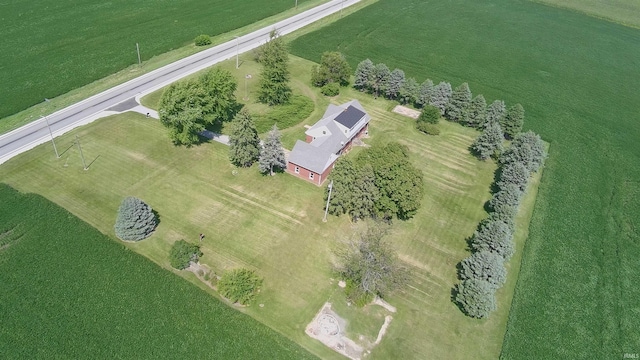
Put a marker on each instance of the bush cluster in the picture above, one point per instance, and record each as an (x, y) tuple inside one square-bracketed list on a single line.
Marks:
[(202, 40), (240, 285), (483, 273), (135, 220), (183, 253)]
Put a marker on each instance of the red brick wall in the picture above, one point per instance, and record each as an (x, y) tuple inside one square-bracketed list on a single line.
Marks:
[(303, 173)]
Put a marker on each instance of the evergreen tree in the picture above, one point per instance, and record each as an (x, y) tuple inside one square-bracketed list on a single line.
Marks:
[(527, 149), (244, 143), (495, 236), (426, 93), (514, 173), (334, 68), (135, 220), (484, 265), (457, 108), (343, 178), (489, 143), (381, 75), (271, 154), (476, 297), (395, 83), (513, 121), (364, 75), (274, 81), (477, 114), (506, 201), (495, 112), (440, 96), (365, 194), (409, 92)]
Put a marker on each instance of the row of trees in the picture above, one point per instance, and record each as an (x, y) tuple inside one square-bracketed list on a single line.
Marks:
[(381, 183), (483, 273), (245, 147), (454, 104)]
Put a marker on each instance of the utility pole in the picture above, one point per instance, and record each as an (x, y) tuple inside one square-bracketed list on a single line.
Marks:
[(237, 44), (81, 154), (326, 209), (296, 4), (51, 133), (138, 49)]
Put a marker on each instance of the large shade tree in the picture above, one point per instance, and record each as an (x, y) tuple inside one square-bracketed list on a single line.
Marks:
[(334, 68)]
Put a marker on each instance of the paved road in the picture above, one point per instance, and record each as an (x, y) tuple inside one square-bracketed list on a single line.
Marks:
[(95, 107)]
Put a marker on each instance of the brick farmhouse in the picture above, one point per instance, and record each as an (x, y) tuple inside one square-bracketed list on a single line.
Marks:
[(326, 140)]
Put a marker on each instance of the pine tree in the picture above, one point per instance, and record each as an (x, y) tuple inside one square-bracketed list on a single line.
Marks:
[(495, 112), (514, 173), (506, 201), (484, 265), (426, 93), (477, 112), (381, 75), (364, 75), (527, 149), (135, 221), (395, 83), (513, 121), (409, 92), (495, 236), (244, 143), (457, 108), (365, 194), (441, 95), (271, 154), (489, 143), (343, 178), (476, 297), (274, 81)]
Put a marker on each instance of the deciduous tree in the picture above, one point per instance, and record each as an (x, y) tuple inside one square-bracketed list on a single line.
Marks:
[(217, 95), (365, 194), (334, 68), (240, 285), (181, 112), (135, 220), (244, 143), (271, 153)]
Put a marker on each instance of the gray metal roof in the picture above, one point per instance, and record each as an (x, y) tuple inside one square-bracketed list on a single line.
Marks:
[(320, 153)]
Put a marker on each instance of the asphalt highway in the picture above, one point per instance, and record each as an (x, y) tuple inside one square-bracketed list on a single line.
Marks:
[(95, 107)]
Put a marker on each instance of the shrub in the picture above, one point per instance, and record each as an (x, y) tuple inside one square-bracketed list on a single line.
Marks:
[(330, 89), (476, 297), (286, 115), (495, 236), (427, 128), (183, 253), (202, 40), (135, 221), (239, 285), (484, 265), (430, 114)]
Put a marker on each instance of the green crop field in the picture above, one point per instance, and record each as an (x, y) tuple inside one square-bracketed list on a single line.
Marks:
[(625, 12), (273, 224), (69, 291), (51, 47), (578, 79)]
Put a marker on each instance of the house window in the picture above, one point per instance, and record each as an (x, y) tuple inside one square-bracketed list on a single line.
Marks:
[(311, 175), (296, 170)]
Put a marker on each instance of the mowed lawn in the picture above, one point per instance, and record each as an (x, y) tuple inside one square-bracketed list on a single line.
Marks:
[(52, 47), (69, 291), (577, 77), (273, 224)]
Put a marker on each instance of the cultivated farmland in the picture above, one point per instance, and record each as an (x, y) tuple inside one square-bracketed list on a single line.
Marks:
[(52, 47), (273, 224), (578, 79), (69, 291)]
